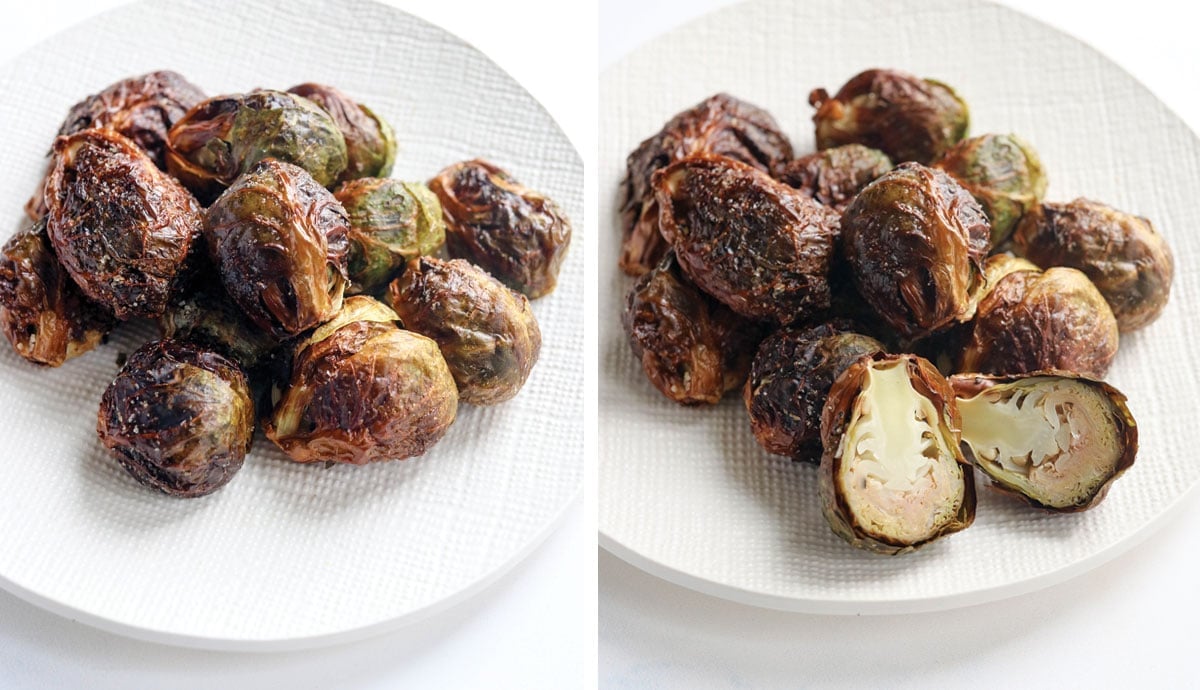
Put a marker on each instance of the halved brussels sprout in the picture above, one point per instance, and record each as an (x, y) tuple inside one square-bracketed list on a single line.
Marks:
[(1055, 438), (178, 417), (834, 176), (1130, 263), (892, 476), (1003, 173), (391, 222), (370, 141)]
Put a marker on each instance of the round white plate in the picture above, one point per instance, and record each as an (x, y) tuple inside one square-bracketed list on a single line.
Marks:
[(688, 494), (287, 555)]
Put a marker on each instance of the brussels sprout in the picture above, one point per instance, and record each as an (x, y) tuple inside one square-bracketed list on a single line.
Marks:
[(141, 108), (721, 125), (224, 137), (178, 418), (206, 316), (370, 141), (907, 118), (487, 332), (915, 242), (789, 383), (279, 242), (1034, 321), (834, 176), (362, 390), (1003, 173), (1130, 263), (510, 231), (693, 348), (757, 245), (121, 227), (390, 222), (1057, 439), (892, 476), (42, 313)]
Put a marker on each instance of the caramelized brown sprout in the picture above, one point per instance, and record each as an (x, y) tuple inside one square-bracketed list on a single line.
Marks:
[(915, 242), (42, 313), (178, 418), (278, 240), (362, 390), (999, 265), (206, 316), (370, 141), (790, 380), (1033, 321), (907, 118), (486, 332), (757, 245), (1124, 257), (892, 476), (224, 137), (1056, 439), (1003, 173), (390, 222), (834, 176), (121, 227), (721, 125), (142, 109), (693, 348), (509, 230)]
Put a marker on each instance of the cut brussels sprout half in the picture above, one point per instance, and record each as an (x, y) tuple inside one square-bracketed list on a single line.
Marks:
[(1057, 439)]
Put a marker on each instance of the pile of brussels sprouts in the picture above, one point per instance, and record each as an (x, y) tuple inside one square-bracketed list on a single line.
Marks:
[(293, 281), (898, 307)]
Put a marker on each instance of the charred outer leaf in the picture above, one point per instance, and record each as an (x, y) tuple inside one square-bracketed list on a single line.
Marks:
[(834, 176)]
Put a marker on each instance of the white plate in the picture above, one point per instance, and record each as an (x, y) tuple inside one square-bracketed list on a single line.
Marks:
[(287, 555), (688, 495)]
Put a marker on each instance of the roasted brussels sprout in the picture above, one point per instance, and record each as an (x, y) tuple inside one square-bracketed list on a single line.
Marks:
[(907, 118), (721, 125), (834, 176), (390, 222), (142, 109), (224, 137), (693, 348), (1003, 173), (1033, 321), (45, 317), (279, 241), (510, 231), (178, 418), (789, 382), (757, 245), (1130, 263), (370, 141), (1057, 439), (892, 476), (206, 316), (362, 390), (487, 332), (915, 242), (121, 227)]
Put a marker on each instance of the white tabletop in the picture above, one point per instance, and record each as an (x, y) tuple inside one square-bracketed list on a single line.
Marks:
[(1129, 623), (533, 629)]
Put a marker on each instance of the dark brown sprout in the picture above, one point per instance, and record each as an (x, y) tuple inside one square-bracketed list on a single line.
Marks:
[(1057, 439), (43, 314), (370, 141), (1003, 173), (178, 417), (692, 348), (510, 231), (122, 228), (391, 222), (205, 315), (279, 242), (757, 245), (835, 176), (1127, 260), (789, 383), (908, 118), (892, 476), (362, 390), (487, 332), (720, 125)]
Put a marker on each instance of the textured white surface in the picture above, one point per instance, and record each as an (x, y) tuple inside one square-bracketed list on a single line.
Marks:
[(289, 555), (688, 494)]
